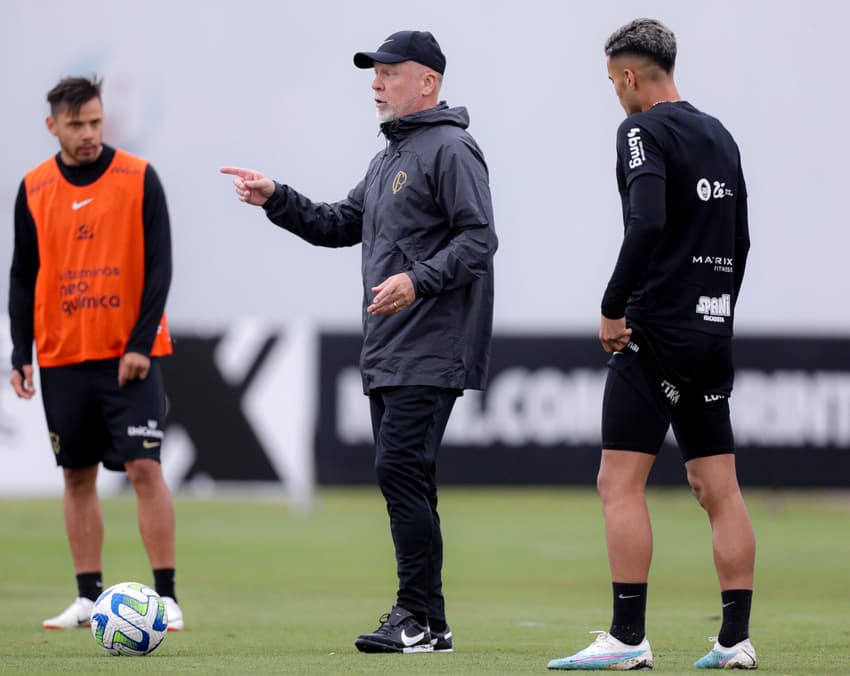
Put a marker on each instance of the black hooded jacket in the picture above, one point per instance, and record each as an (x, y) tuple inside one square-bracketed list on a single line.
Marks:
[(423, 208)]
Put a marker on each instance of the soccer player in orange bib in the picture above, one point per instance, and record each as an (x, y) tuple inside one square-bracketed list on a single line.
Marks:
[(90, 275)]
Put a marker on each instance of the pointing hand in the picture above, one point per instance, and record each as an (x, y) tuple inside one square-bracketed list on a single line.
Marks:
[(251, 186)]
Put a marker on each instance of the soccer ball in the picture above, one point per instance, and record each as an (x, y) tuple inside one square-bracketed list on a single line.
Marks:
[(129, 619)]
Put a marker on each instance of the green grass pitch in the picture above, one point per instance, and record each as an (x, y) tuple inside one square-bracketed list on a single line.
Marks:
[(267, 590)]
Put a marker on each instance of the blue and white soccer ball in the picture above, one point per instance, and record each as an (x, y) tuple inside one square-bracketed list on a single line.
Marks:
[(129, 619)]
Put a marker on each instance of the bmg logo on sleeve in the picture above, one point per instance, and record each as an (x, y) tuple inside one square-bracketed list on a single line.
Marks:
[(636, 154)]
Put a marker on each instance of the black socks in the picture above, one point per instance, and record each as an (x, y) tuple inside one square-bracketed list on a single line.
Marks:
[(629, 622), (163, 579), (89, 585), (736, 616)]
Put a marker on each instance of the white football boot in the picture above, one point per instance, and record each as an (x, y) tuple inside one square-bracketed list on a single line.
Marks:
[(173, 614), (742, 655), (78, 614), (606, 652)]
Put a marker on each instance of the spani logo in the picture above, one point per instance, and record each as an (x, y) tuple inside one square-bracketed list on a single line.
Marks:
[(715, 309)]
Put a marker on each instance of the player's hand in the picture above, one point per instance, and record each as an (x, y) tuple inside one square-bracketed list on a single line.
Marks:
[(133, 366), (613, 334), (392, 295), (251, 186), (22, 382)]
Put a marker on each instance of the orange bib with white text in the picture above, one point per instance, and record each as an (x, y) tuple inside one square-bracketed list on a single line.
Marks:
[(91, 248)]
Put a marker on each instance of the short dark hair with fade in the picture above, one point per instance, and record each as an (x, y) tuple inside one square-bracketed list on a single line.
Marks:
[(646, 37), (72, 92)]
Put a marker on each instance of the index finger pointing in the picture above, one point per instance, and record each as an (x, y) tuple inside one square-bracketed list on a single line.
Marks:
[(238, 171)]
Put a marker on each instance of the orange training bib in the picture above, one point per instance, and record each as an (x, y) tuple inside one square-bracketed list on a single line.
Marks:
[(91, 248)]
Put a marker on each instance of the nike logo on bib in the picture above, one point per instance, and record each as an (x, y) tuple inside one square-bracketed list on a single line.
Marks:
[(79, 205)]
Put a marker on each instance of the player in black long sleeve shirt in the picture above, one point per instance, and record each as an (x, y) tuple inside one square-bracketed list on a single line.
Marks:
[(667, 318), (685, 216)]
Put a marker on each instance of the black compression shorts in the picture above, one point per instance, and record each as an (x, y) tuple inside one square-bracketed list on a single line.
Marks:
[(91, 419), (665, 377)]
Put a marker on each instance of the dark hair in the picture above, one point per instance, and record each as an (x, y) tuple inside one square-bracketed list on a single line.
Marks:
[(646, 37), (72, 93)]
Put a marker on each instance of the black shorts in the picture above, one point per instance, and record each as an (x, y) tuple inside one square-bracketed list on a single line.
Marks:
[(92, 420), (665, 377)]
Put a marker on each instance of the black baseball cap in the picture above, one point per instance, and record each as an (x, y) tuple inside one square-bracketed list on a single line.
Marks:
[(419, 46)]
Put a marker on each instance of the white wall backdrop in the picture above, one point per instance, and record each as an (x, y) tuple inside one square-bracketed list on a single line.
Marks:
[(271, 85)]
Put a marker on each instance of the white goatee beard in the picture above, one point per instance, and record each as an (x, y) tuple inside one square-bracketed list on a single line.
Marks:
[(387, 115)]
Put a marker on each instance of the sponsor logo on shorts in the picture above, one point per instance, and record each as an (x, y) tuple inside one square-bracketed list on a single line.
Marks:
[(670, 391), (54, 442), (715, 309), (150, 444), (710, 398), (150, 431)]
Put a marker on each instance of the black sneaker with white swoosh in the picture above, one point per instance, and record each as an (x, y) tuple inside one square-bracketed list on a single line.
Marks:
[(399, 633)]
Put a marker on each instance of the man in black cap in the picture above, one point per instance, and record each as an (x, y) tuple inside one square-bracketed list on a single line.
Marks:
[(401, 59), (424, 216)]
